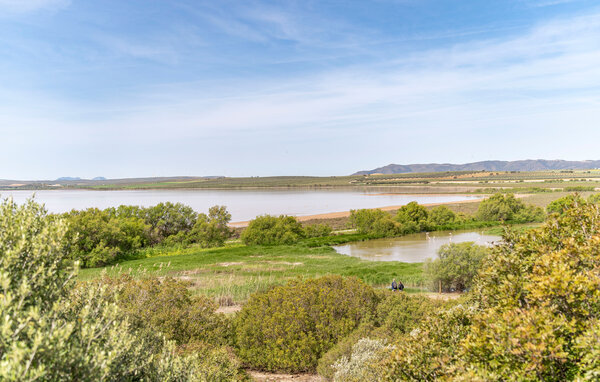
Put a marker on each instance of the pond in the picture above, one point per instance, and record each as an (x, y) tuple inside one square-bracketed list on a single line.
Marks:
[(414, 248)]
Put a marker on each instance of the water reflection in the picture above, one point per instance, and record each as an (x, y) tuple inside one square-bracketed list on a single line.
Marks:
[(412, 248)]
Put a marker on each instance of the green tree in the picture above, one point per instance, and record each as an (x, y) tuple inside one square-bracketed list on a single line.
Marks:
[(272, 230), (456, 266), (374, 222), (440, 216), (499, 207), (413, 215)]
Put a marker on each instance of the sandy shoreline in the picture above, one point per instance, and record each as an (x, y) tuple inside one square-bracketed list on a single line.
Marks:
[(343, 214)]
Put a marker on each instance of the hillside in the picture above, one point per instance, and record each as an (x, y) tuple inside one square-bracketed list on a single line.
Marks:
[(520, 165)]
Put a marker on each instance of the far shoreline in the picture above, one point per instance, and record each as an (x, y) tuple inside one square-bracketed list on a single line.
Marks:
[(345, 214)]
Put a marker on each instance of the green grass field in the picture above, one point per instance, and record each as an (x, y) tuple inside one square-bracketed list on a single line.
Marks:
[(236, 271)]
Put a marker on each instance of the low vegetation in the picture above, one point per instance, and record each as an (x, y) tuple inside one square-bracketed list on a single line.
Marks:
[(412, 218), (531, 312)]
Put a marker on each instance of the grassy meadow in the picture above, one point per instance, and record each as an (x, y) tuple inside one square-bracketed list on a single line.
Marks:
[(232, 273)]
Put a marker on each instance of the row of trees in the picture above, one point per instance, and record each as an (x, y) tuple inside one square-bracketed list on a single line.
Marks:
[(100, 237), (413, 217)]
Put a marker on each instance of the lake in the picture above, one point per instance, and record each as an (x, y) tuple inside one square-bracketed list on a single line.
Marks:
[(242, 204), (414, 248)]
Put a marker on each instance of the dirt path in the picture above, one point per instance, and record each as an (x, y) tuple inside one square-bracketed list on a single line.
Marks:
[(344, 214), (260, 376), (229, 309)]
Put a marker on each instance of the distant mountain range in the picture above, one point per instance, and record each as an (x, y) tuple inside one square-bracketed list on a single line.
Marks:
[(490, 165)]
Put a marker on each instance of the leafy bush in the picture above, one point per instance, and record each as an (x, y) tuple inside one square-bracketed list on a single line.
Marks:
[(167, 219), (505, 207), (430, 351), (538, 302), (98, 237), (357, 367), (374, 222), (54, 332), (440, 216), (413, 215), (209, 230), (560, 205), (594, 199), (499, 207), (396, 315), (456, 266), (167, 306), (289, 327), (317, 230), (272, 230)]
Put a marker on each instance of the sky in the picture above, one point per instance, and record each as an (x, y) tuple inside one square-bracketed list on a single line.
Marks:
[(256, 88)]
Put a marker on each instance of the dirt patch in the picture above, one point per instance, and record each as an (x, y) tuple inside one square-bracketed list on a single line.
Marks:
[(271, 377), (229, 309), (230, 263), (444, 296)]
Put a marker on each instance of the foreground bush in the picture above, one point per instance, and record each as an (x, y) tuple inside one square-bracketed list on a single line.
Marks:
[(539, 303), (456, 266), (54, 332), (357, 367), (396, 315), (289, 327)]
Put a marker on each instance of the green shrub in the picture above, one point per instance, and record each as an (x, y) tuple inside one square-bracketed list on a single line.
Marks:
[(413, 215), (343, 348), (400, 313), (290, 327), (440, 216), (272, 230), (538, 298), (429, 352), (358, 366), (594, 199), (374, 222), (167, 306), (396, 315), (54, 332), (499, 207), (560, 205), (456, 266), (169, 219), (209, 230), (317, 230), (98, 237)]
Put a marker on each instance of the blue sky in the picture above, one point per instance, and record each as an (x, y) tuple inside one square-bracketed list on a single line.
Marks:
[(240, 88)]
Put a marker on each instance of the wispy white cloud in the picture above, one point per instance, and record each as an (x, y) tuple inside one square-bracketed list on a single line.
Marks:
[(487, 99)]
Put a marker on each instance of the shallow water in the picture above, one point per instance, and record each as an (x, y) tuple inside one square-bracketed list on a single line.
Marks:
[(242, 204), (412, 248)]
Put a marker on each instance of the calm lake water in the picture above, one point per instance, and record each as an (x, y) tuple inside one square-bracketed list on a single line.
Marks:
[(412, 248), (242, 204)]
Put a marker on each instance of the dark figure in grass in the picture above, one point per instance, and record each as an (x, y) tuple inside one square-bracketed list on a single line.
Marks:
[(397, 286)]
